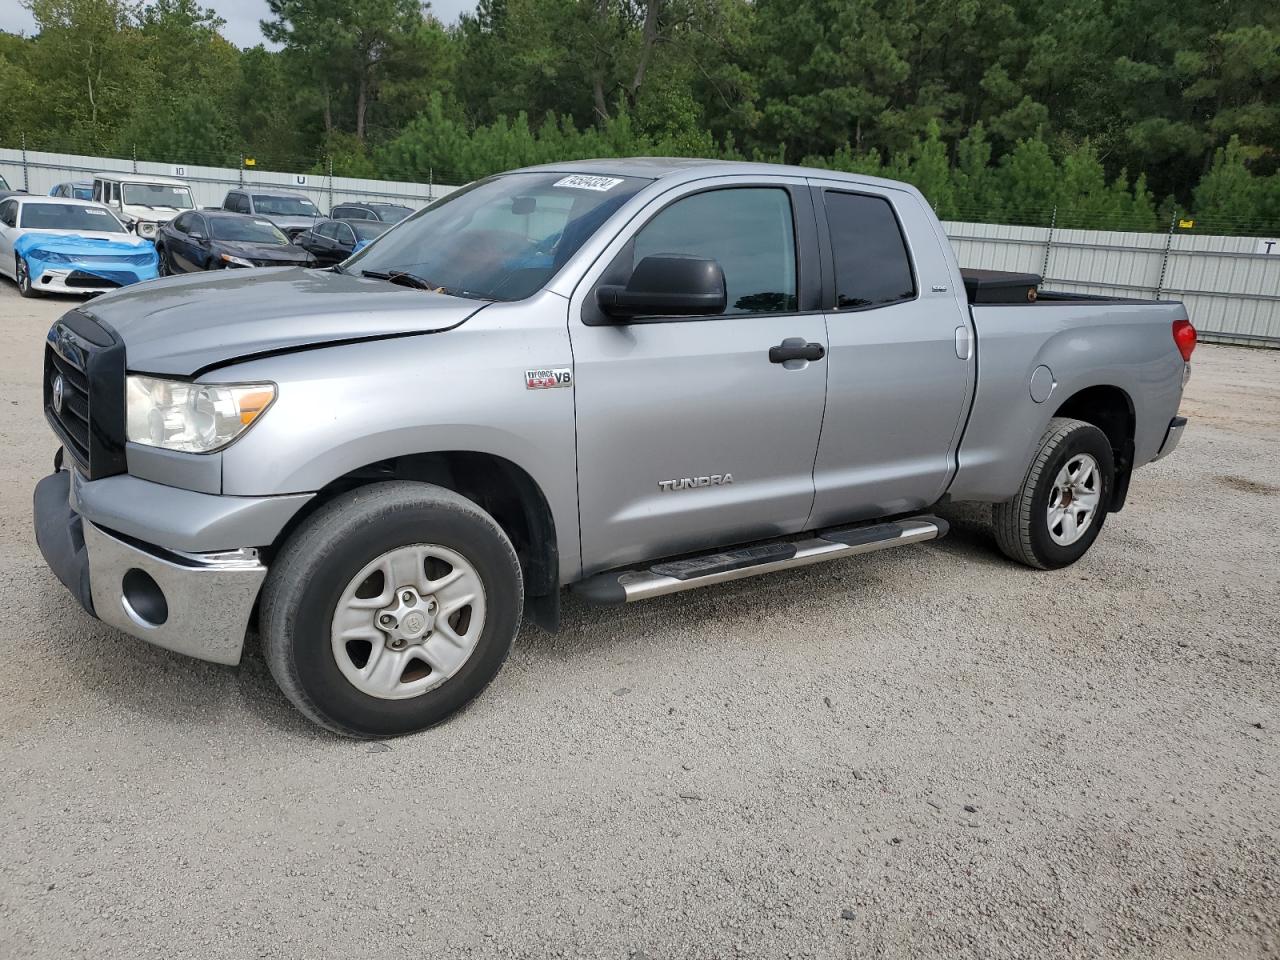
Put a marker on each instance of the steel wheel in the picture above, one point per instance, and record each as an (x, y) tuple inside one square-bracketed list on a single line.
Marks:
[(1074, 499), (408, 621)]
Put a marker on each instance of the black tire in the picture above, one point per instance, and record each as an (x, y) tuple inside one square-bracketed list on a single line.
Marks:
[(162, 256), (1022, 525), (328, 549), (22, 277)]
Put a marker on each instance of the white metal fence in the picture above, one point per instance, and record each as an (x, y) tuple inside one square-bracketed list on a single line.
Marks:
[(1231, 285), (38, 172)]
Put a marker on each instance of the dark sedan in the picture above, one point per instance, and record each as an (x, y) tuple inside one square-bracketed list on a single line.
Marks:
[(214, 240), (332, 241)]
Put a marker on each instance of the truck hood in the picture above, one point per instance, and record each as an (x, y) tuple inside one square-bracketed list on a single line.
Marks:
[(182, 326)]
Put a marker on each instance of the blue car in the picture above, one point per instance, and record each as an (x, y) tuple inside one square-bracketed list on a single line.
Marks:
[(52, 245)]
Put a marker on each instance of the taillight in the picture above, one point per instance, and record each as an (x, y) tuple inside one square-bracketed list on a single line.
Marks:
[(1184, 335)]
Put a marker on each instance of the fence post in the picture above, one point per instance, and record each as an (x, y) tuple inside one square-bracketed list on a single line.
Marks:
[(242, 169), (331, 183), (1164, 262), (1048, 244), (431, 184), (26, 182), (135, 158)]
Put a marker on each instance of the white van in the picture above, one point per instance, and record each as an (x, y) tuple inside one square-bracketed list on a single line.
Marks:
[(142, 201)]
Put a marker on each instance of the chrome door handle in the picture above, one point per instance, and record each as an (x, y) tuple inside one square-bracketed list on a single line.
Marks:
[(964, 342)]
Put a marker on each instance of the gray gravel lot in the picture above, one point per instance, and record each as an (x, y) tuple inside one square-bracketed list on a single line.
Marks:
[(927, 752)]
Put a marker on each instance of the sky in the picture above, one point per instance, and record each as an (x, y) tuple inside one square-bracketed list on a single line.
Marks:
[(242, 17)]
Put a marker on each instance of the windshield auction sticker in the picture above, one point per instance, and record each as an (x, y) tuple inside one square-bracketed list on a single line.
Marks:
[(581, 181)]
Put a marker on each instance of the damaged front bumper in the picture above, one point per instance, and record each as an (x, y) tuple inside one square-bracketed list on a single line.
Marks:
[(197, 604)]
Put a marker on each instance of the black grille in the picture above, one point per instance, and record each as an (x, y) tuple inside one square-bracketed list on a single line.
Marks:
[(84, 393)]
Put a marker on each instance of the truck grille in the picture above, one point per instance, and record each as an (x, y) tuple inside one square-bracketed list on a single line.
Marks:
[(84, 393)]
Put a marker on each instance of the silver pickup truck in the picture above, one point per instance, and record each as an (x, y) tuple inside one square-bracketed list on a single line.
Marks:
[(627, 377)]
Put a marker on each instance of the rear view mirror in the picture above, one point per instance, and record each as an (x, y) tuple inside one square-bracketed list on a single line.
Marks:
[(667, 286)]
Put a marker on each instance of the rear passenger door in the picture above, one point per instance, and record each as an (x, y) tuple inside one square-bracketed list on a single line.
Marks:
[(898, 378), (689, 434)]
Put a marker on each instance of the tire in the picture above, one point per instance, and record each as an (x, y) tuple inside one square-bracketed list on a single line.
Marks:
[(22, 277), (313, 579), (163, 267), (1047, 525)]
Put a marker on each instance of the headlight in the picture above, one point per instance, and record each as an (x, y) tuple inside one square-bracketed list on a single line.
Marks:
[(146, 228), (231, 261), (193, 417)]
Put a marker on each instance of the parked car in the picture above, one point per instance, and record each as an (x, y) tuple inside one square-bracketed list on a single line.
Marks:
[(568, 376), (73, 190), (332, 241), (371, 210), (217, 240), (291, 212), (55, 245), (142, 201)]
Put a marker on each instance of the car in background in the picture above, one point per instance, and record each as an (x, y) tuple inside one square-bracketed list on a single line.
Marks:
[(332, 241), (218, 240), (143, 202), (73, 190), (372, 210), (60, 245), (291, 212)]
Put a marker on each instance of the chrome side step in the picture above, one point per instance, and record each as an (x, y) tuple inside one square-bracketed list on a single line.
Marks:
[(626, 586)]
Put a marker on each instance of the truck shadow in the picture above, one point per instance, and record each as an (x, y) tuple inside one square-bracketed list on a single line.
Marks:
[(168, 688)]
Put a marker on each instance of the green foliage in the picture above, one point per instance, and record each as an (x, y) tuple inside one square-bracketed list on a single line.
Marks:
[(1001, 110)]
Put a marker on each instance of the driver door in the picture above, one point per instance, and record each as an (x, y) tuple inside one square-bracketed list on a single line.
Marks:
[(8, 233), (690, 436)]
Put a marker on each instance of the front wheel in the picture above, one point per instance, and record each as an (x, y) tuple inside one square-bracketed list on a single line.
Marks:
[(390, 609), (1063, 502), (22, 276)]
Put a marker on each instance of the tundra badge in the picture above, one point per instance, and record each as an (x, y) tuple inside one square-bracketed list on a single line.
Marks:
[(688, 483)]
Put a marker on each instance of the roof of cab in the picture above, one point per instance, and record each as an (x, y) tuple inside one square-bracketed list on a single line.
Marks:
[(692, 168), (138, 178)]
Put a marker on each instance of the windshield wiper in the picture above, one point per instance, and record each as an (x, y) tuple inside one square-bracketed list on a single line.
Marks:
[(404, 278)]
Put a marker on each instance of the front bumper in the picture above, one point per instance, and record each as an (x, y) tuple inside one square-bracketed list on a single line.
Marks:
[(197, 604)]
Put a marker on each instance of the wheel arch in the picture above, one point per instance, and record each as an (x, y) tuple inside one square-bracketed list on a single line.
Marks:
[(499, 486), (1111, 410)]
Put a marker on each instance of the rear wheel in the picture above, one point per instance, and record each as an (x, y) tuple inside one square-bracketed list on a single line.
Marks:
[(22, 276), (390, 609), (162, 255), (1063, 502)]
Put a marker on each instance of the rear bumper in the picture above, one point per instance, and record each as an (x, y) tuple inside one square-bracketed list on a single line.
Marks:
[(195, 604), (1172, 436)]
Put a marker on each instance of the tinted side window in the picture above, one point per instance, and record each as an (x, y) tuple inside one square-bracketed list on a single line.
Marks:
[(872, 265), (747, 230), (328, 230), (345, 235), (9, 213), (181, 223)]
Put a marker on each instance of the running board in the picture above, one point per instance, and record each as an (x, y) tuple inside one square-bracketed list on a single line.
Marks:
[(626, 586)]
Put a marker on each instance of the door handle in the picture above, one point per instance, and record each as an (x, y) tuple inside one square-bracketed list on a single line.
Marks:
[(793, 348)]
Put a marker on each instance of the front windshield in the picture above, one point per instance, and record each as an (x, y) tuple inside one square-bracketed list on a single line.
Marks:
[(245, 230), (156, 195), (499, 239), (368, 229), (284, 206), (69, 216)]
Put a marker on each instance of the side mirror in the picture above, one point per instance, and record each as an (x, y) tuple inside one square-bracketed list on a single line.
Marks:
[(666, 286)]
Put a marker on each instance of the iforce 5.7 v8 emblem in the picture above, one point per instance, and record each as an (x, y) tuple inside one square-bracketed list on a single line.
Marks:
[(548, 378)]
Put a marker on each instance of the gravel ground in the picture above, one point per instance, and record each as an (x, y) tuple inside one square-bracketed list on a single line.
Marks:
[(927, 752)]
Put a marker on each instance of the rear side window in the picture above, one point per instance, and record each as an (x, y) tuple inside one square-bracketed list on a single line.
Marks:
[(747, 230), (872, 265)]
